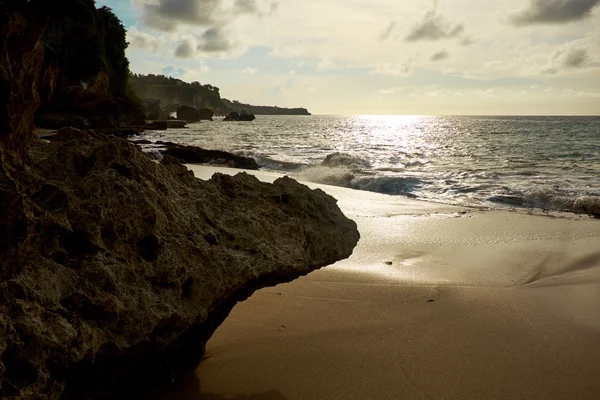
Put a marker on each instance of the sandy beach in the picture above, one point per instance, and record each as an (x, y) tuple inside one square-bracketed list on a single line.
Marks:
[(437, 302)]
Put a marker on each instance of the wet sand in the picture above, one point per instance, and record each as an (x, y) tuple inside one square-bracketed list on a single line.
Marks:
[(437, 302)]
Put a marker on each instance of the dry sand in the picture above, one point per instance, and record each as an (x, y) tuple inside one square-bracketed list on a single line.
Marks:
[(437, 302)]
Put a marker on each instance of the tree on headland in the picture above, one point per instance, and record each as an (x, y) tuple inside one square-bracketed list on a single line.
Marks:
[(172, 91)]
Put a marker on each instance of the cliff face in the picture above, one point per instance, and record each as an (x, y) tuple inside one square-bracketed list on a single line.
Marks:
[(85, 48), (115, 270)]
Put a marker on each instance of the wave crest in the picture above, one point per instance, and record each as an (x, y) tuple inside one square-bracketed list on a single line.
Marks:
[(345, 160)]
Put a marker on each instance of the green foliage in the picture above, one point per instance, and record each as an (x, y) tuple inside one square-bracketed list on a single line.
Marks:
[(264, 110), (175, 91)]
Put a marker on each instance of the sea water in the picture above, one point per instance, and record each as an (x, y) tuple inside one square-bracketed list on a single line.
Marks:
[(524, 162)]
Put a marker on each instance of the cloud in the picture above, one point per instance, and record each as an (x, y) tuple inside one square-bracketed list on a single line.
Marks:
[(249, 71), (439, 56), (143, 40), (554, 12), (216, 40), (186, 48), (385, 34), (245, 6), (569, 56), (167, 15), (575, 58), (434, 27)]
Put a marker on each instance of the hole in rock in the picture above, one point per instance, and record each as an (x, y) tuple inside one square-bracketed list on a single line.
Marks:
[(149, 248), (109, 236), (79, 244), (186, 288)]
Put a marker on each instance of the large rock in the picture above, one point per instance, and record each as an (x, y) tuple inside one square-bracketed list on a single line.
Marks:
[(58, 121), (235, 116), (115, 270), (206, 114), (131, 265), (198, 155), (189, 114)]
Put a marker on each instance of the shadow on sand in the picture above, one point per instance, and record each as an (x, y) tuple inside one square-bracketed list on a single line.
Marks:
[(188, 387)]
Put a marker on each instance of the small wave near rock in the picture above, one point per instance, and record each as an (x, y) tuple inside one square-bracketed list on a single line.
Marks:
[(551, 199), (346, 160)]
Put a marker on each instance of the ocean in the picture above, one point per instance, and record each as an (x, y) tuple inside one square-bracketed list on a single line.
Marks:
[(545, 163)]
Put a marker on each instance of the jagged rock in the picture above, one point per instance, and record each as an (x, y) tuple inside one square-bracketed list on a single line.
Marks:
[(157, 125), (206, 114), (189, 114), (197, 155), (132, 265), (116, 270), (235, 116)]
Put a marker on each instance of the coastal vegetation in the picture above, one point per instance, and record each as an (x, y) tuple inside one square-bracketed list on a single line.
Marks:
[(168, 93), (264, 110)]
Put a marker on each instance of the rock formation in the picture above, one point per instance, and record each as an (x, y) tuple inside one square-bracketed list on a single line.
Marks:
[(116, 270), (206, 114), (234, 116), (191, 114), (197, 155)]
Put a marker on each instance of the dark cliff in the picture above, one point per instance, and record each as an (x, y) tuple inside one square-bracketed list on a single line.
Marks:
[(264, 110), (85, 52), (116, 270)]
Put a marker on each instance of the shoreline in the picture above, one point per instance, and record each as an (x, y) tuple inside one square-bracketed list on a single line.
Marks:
[(434, 303), (204, 171)]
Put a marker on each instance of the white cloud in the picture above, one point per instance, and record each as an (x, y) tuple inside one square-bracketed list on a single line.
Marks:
[(144, 40)]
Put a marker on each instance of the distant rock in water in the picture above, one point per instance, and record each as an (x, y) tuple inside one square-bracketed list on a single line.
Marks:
[(191, 114), (234, 116)]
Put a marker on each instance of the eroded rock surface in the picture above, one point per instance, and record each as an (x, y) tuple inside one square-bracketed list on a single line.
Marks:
[(133, 264), (116, 270)]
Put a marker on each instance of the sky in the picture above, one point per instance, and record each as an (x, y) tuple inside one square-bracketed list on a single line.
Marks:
[(411, 57)]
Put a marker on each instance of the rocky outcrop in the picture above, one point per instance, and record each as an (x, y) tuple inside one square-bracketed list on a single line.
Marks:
[(58, 121), (116, 270), (132, 265), (197, 155), (235, 116), (189, 114), (206, 114)]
